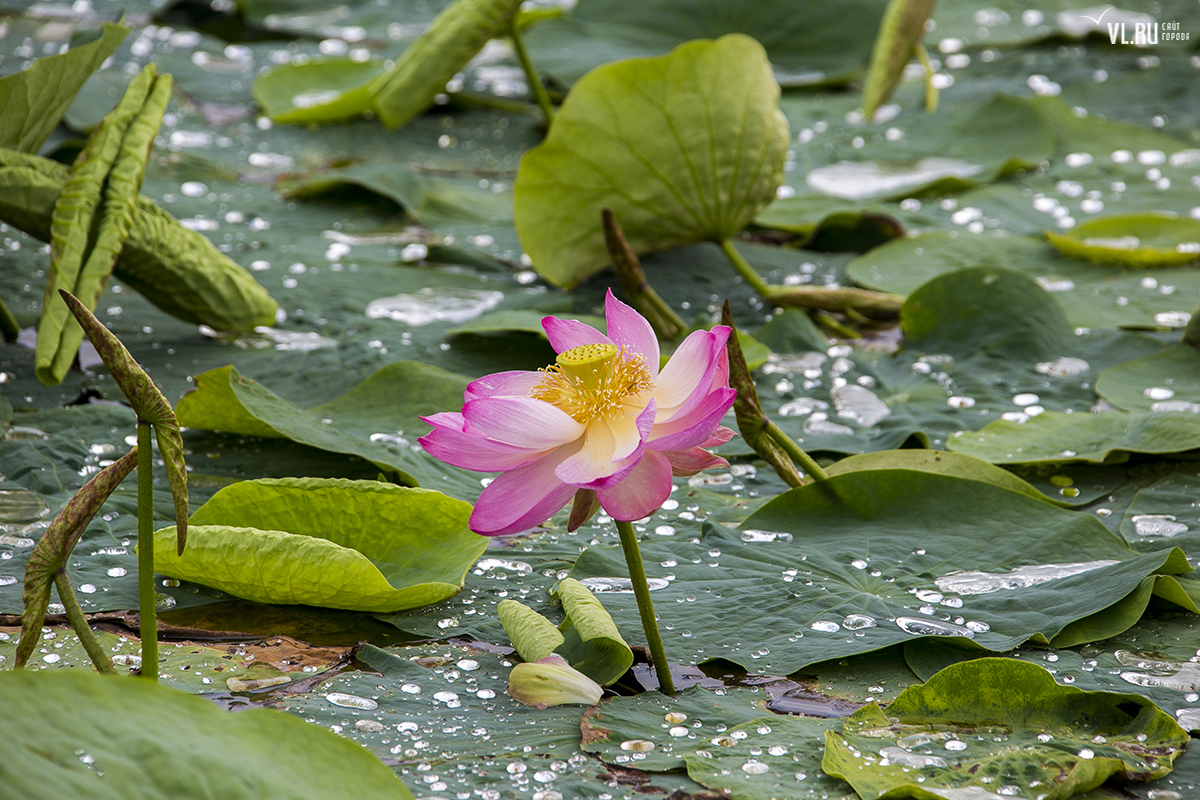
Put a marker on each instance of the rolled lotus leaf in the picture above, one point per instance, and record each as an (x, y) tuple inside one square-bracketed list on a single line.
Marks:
[(176, 269)]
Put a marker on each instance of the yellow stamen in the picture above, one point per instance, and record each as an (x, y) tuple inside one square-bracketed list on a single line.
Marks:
[(593, 380)]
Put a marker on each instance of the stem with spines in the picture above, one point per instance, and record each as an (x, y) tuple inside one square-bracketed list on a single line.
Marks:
[(531, 75), (147, 601), (80, 624), (641, 590)]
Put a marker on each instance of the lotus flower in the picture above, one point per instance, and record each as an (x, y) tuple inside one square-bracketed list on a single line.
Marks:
[(603, 424)]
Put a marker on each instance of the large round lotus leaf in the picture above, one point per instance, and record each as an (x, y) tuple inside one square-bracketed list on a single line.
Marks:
[(1001, 728), (1097, 438), (807, 42), (1134, 240), (684, 148), (802, 581), (358, 545), (78, 734), (1165, 381), (1092, 295)]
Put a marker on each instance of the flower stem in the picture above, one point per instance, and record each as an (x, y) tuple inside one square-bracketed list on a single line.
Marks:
[(666, 323), (748, 273), (80, 624), (931, 92), (641, 590), (535, 82), (147, 611), (8, 324), (795, 451)]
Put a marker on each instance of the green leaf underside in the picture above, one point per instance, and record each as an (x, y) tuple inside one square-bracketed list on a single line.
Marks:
[(914, 529), (161, 743), (998, 709), (179, 270), (900, 33), (359, 545), (591, 642), (534, 636), (705, 155), (389, 402), (327, 90), (1094, 438), (33, 101)]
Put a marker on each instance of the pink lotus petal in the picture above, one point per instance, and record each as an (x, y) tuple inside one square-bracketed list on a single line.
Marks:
[(594, 460), (451, 443), (641, 492), (630, 329), (696, 426), (721, 436), (516, 383), (522, 421), (565, 334), (688, 376), (521, 498), (692, 460)]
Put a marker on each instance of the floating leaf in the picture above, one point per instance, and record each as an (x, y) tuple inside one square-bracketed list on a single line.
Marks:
[(1095, 438), (766, 758), (992, 565), (999, 725), (177, 269), (1133, 240), (942, 462), (1092, 295), (650, 723), (1151, 659), (74, 734), (811, 48), (358, 545), (33, 101), (319, 91), (378, 420), (50, 554), (519, 320), (442, 50), (716, 98)]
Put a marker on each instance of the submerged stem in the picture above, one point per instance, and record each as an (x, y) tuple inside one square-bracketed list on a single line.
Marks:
[(535, 83), (80, 624), (147, 611), (641, 590), (796, 451), (748, 273)]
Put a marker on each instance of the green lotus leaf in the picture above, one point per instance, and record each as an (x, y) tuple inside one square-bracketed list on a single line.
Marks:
[(33, 100), (378, 420), (358, 545), (534, 636), (999, 727), (77, 734), (327, 90), (1168, 380), (945, 557), (808, 42), (899, 36), (1092, 295), (940, 461), (592, 644), (1133, 240), (1096, 438), (741, 761), (696, 149)]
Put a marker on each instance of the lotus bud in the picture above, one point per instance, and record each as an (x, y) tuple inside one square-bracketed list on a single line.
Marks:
[(552, 682)]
